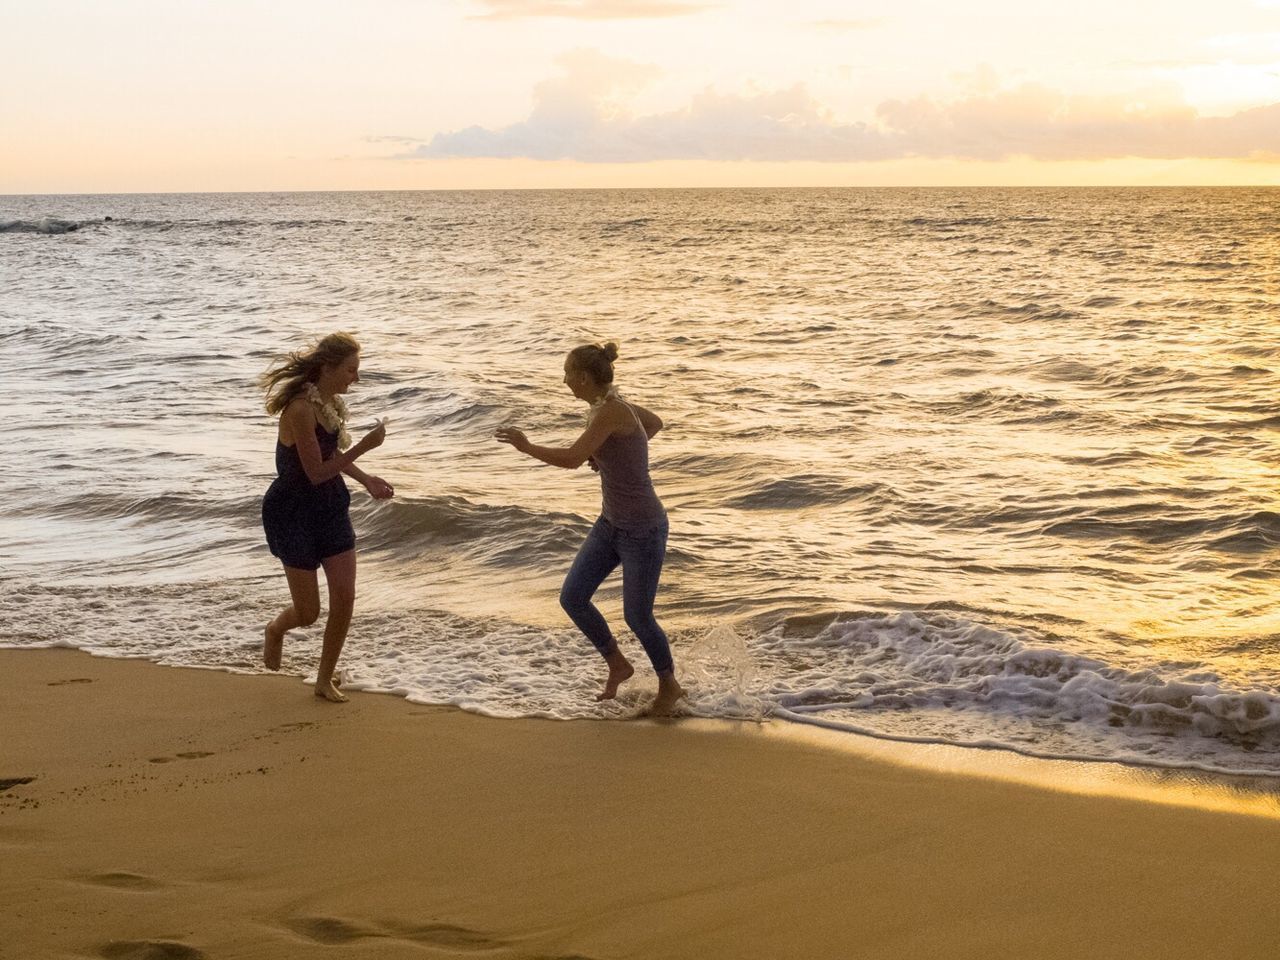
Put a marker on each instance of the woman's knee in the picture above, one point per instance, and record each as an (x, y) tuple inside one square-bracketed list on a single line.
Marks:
[(640, 619), (572, 600), (308, 613)]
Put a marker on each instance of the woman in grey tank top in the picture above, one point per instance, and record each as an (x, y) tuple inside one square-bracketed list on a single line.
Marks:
[(632, 528)]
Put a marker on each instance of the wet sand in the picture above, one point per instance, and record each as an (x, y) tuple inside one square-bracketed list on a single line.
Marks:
[(169, 813)]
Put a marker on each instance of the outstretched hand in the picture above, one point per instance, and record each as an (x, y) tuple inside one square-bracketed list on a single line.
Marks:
[(379, 489), (514, 436)]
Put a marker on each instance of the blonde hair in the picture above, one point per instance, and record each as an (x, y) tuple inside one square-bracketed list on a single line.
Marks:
[(595, 360), (286, 380)]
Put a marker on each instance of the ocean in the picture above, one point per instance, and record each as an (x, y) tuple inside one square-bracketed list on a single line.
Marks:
[(987, 467)]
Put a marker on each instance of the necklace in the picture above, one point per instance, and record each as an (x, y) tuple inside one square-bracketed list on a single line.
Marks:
[(331, 414), (610, 394)]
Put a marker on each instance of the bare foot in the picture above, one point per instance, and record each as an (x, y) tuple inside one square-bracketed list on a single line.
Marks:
[(620, 671), (327, 691), (669, 691), (272, 646)]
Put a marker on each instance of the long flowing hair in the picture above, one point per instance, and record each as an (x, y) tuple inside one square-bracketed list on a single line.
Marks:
[(289, 376)]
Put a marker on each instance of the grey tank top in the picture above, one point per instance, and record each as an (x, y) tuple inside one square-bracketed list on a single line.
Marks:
[(630, 502)]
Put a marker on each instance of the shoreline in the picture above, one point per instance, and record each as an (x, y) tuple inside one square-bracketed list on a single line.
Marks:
[(1251, 794), (1175, 786), (198, 813)]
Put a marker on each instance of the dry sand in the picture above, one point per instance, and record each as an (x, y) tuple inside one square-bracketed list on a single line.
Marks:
[(182, 813)]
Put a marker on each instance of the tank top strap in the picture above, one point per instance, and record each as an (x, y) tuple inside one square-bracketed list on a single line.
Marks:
[(632, 410)]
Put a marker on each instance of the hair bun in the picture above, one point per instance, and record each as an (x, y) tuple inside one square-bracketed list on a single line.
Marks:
[(610, 350)]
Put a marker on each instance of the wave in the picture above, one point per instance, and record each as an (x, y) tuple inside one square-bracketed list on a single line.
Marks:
[(1023, 312), (181, 507), (954, 222), (618, 225), (919, 675), (1006, 406), (403, 526), (937, 678), (1227, 532), (55, 225), (807, 490), (501, 534), (63, 343), (45, 225)]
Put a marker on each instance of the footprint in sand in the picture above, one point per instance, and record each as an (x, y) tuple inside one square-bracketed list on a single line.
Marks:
[(149, 950), (122, 881), (444, 935), (331, 930), (189, 755)]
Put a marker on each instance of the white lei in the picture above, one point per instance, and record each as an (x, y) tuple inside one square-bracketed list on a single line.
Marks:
[(598, 404), (332, 415)]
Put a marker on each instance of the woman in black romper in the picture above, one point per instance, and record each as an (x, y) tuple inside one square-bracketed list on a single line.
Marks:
[(305, 511)]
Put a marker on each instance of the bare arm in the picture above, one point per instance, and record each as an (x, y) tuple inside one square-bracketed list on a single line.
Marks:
[(378, 488), (571, 458), (355, 473), (651, 422), (300, 422)]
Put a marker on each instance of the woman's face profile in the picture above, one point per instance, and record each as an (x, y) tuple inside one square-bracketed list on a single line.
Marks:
[(345, 373), (574, 379)]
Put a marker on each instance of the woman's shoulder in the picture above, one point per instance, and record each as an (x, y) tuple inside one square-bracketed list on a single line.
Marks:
[(621, 407), (621, 414), (299, 407), (614, 407)]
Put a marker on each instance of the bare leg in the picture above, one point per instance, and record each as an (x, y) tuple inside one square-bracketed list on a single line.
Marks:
[(340, 574), (620, 671), (303, 611), (669, 691)]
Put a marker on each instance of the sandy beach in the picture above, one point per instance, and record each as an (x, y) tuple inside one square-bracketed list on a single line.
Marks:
[(186, 813)]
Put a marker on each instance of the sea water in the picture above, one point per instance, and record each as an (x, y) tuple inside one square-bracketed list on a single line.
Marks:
[(974, 466)]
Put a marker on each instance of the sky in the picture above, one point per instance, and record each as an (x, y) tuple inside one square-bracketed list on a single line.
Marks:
[(229, 95)]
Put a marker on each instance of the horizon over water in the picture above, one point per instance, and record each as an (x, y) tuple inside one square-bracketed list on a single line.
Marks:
[(978, 466)]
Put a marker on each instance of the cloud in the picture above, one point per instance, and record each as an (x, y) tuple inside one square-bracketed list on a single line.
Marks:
[(587, 9), (1036, 122), (581, 116)]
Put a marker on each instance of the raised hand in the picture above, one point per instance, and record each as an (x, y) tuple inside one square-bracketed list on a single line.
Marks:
[(514, 436), (374, 437)]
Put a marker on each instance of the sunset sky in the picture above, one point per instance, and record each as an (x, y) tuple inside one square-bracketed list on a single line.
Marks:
[(163, 95)]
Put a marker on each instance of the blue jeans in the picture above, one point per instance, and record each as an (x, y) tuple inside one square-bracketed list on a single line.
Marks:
[(641, 555)]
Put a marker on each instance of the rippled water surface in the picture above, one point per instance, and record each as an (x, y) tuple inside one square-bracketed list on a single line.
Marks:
[(979, 466)]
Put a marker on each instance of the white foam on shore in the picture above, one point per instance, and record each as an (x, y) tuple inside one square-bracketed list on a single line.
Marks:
[(932, 678), (918, 677)]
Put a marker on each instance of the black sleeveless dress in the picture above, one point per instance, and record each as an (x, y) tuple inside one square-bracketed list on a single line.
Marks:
[(306, 522)]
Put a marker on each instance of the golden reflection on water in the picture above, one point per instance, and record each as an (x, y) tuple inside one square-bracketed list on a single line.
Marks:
[(1045, 414)]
